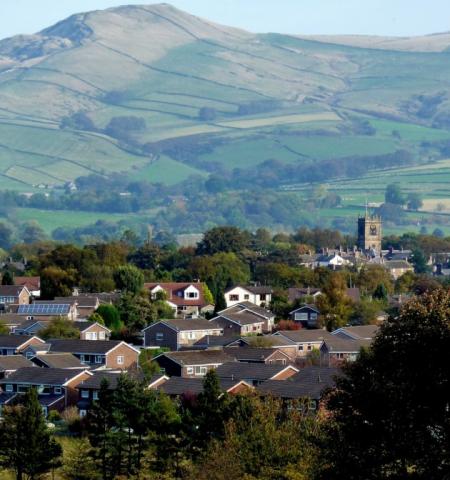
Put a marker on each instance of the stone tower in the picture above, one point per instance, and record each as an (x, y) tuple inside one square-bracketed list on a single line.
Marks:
[(369, 232)]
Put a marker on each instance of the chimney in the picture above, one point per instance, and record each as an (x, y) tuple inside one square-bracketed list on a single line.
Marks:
[(439, 269)]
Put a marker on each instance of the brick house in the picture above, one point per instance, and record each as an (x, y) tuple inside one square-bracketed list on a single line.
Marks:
[(15, 344), (176, 334), (109, 354), (267, 315), (14, 295), (56, 387), (336, 350), (258, 295), (305, 340), (92, 331), (186, 299), (191, 363), (307, 316), (57, 360), (255, 373)]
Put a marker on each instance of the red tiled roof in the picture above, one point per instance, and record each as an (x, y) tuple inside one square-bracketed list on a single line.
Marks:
[(32, 283), (175, 293)]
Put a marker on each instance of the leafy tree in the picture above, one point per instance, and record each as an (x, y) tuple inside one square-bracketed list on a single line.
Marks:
[(414, 201), (129, 279), (77, 462), (96, 318), (59, 327), (136, 312), (419, 261), (26, 445), (146, 363), (390, 409), (371, 276), (33, 233), (5, 236), (7, 278), (394, 194), (223, 239), (56, 282), (438, 232), (404, 284), (111, 317), (365, 312), (219, 303), (381, 293)]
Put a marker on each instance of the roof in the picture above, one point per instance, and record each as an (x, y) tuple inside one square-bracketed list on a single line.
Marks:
[(198, 357), (11, 290), (82, 326), (243, 317), (182, 325), (47, 309), (32, 283), (304, 335), (13, 362), (358, 332), (215, 341), (249, 354), (249, 306), (254, 371), (181, 385), (296, 293), (175, 292), (11, 319), (13, 341), (29, 323), (255, 289), (81, 301), (95, 380), (84, 346), (336, 344), (309, 307), (42, 376), (47, 400), (60, 360), (397, 264)]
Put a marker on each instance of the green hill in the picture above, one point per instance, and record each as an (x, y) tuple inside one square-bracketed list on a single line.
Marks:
[(161, 95)]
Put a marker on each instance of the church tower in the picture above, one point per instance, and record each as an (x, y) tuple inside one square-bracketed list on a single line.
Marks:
[(369, 232)]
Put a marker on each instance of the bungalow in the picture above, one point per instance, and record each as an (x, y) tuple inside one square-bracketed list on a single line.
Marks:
[(56, 387), (191, 363), (13, 295), (177, 334), (305, 340), (10, 363), (186, 299), (307, 316), (267, 315), (335, 350), (258, 295), (255, 373), (359, 332), (178, 386), (58, 360), (14, 344), (269, 356), (109, 354)]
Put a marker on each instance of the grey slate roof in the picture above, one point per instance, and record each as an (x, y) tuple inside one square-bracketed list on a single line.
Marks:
[(183, 325), (10, 290), (242, 306), (41, 376), (249, 354), (94, 382), (13, 362), (180, 385), (336, 344), (198, 357), (358, 332), (215, 341), (244, 317), (254, 371), (307, 307), (83, 346), (60, 360), (12, 341), (303, 335)]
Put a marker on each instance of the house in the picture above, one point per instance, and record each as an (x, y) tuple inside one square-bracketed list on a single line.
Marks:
[(179, 333), (191, 363), (306, 340), (30, 327), (309, 384), (333, 260), (13, 295), (57, 360), (10, 363), (15, 344), (397, 268), (255, 373), (92, 331), (56, 387), (307, 316), (86, 305), (110, 354), (11, 320), (89, 388), (267, 315), (258, 295), (178, 386), (359, 332), (214, 341), (46, 310), (269, 356), (303, 294), (33, 284), (186, 299), (283, 344), (335, 349)]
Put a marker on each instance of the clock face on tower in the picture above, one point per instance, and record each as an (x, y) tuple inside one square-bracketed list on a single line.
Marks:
[(373, 229)]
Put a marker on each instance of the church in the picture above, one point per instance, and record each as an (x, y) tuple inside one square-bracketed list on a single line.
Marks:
[(369, 233)]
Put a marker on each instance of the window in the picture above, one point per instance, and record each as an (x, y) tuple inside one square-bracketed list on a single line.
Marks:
[(191, 335), (309, 347), (190, 370), (95, 395), (313, 316), (200, 370), (83, 413), (84, 393), (159, 337), (82, 359), (192, 294), (234, 298), (23, 388), (301, 316), (58, 390), (119, 359), (91, 336), (101, 335), (98, 359), (9, 388), (246, 296), (300, 348), (262, 297)]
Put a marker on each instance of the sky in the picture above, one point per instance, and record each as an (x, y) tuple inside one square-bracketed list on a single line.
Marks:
[(379, 17)]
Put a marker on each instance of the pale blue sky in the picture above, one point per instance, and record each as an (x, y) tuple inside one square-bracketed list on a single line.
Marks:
[(381, 17)]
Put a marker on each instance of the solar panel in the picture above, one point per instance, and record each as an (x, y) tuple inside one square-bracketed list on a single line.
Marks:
[(44, 309)]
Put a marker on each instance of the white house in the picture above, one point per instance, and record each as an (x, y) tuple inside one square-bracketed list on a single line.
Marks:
[(258, 295), (332, 261)]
